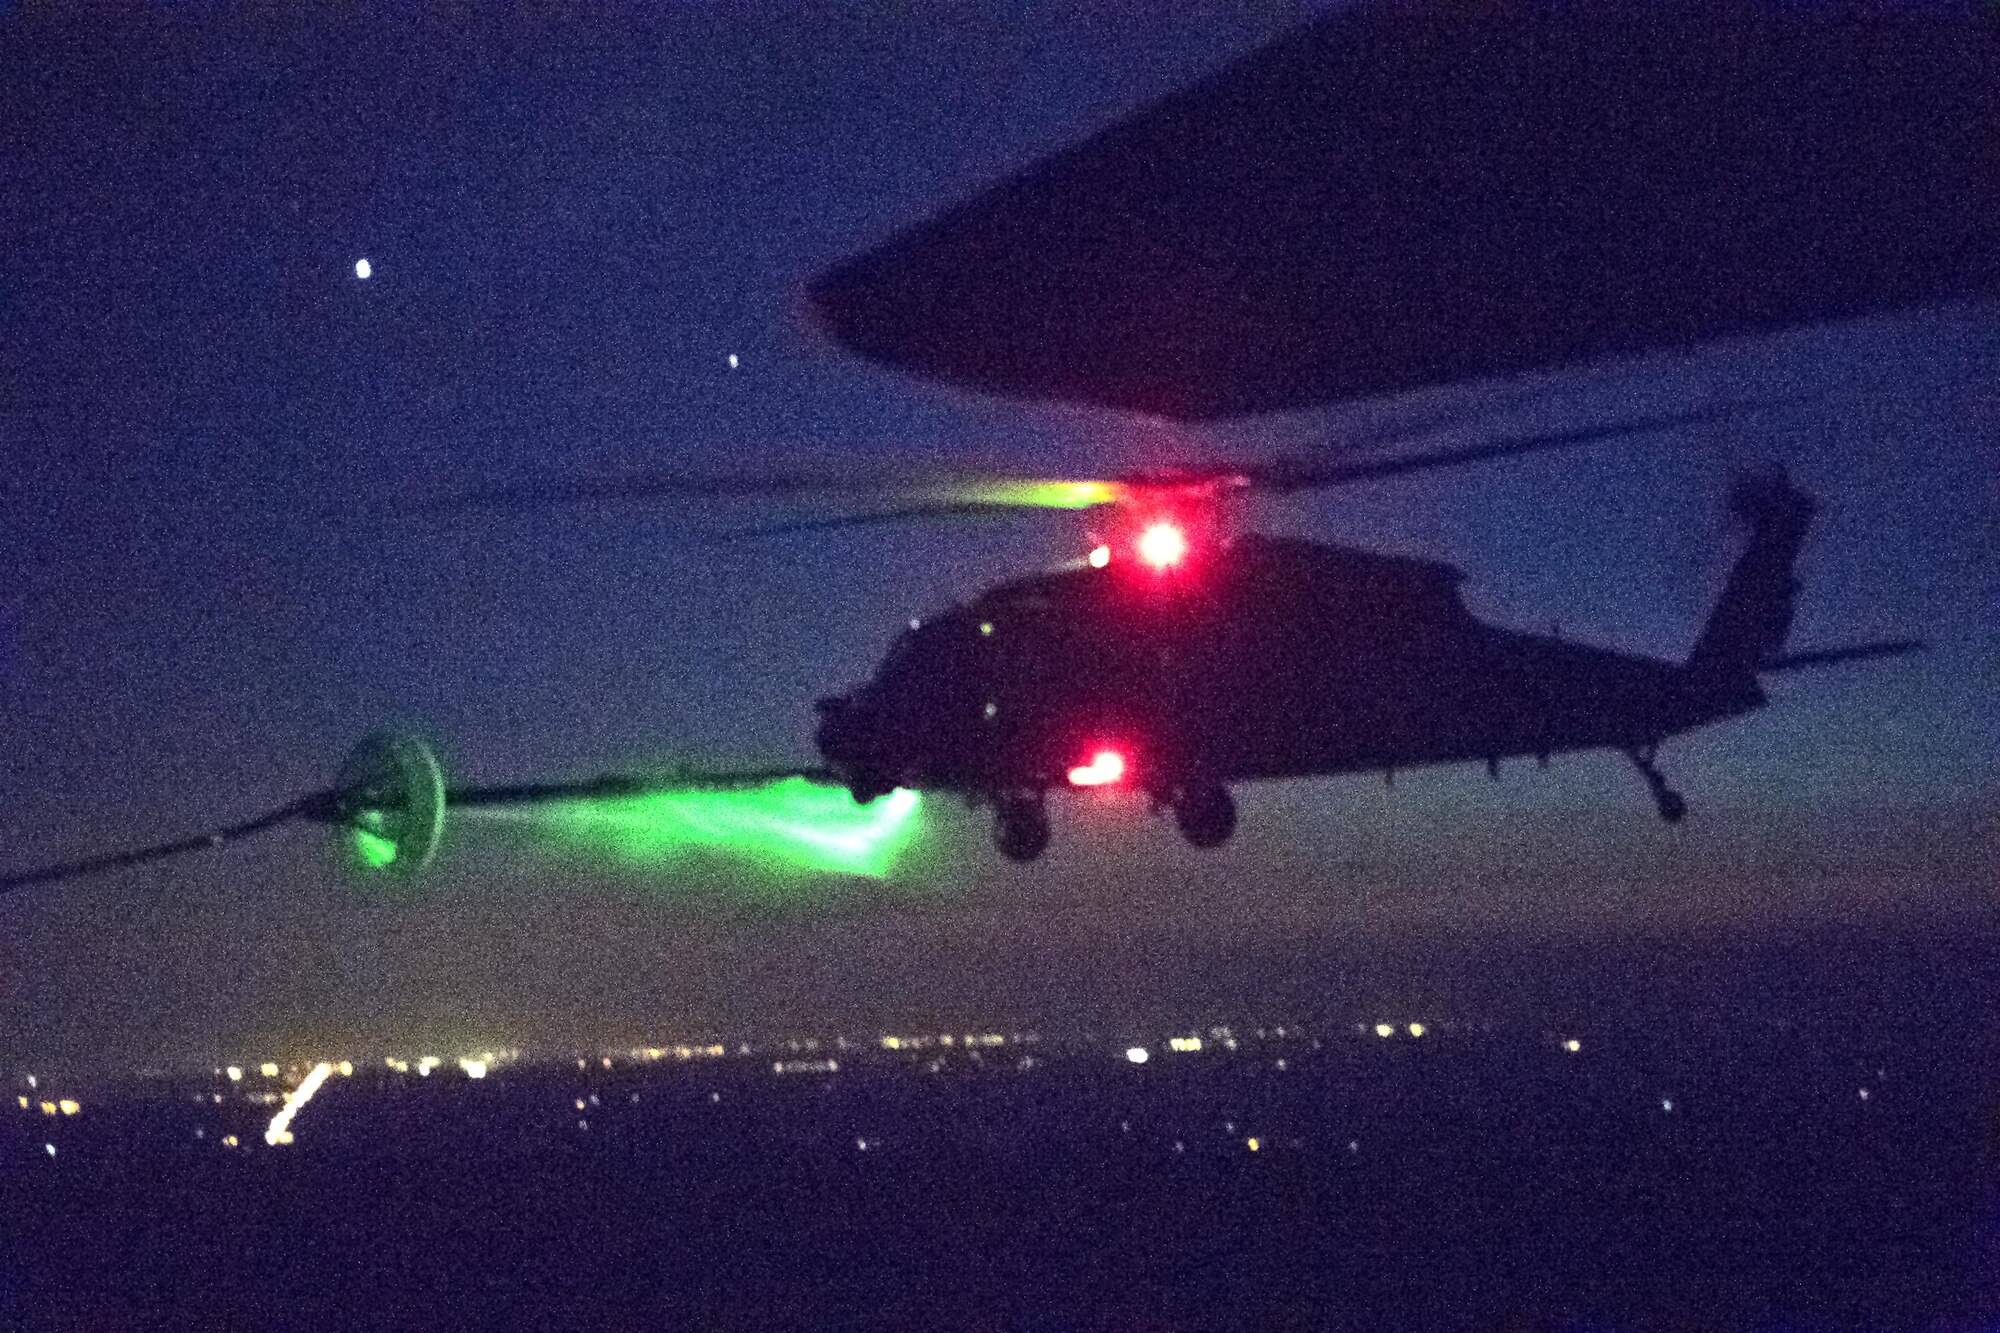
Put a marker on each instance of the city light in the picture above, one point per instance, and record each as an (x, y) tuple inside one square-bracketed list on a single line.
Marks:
[(1385, 1030), (235, 1073), (1416, 1029), (69, 1106), (1184, 1044), (1572, 1045), (473, 1068), (1138, 1055), (280, 1128), (1100, 556), (268, 1069)]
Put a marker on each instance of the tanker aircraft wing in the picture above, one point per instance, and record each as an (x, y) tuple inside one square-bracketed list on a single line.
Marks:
[(1398, 196)]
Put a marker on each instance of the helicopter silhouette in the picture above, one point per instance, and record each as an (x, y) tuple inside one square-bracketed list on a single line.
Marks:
[(1179, 659), (1180, 663)]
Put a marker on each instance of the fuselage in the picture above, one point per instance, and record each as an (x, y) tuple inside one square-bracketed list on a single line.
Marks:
[(1268, 658)]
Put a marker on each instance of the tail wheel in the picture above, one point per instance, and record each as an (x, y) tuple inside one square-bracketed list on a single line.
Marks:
[(1206, 816), (1021, 828)]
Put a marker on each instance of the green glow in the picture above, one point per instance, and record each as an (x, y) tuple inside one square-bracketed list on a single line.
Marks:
[(391, 840), (1037, 494), (372, 851), (791, 825)]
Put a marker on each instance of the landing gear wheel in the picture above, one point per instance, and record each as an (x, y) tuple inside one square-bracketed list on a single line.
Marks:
[(1021, 829), (1673, 809), (1206, 816)]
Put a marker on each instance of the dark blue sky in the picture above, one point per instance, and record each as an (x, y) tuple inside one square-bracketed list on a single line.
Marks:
[(221, 571)]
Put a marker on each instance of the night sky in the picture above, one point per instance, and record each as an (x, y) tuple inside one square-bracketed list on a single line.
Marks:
[(225, 562)]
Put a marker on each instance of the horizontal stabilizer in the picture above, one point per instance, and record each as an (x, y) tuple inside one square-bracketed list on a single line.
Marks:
[(1859, 652)]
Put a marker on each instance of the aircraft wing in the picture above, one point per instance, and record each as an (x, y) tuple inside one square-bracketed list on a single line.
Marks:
[(1396, 196)]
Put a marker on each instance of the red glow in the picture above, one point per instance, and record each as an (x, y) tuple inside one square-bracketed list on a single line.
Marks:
[(1105, 769), (1163, 545)]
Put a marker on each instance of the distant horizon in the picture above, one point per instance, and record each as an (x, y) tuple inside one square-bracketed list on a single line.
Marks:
[(1590, 985)]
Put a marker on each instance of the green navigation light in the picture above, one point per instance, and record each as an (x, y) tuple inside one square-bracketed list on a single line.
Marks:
[(792, 824)]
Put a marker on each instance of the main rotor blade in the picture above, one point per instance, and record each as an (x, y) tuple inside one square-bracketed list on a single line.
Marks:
[(655, 486), (872, 518), (93, 865), (1285, 475), (942, 488), (967, 493), (916, 491)]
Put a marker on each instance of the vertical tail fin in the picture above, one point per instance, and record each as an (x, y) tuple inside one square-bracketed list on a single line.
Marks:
[(1748, 626)]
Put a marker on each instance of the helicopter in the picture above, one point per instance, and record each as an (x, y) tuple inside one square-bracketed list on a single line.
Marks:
[(1179, 663), (1179, 659)]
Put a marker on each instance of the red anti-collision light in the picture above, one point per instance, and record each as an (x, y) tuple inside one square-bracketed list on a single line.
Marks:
[(1162, 545), (1105, 769)]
